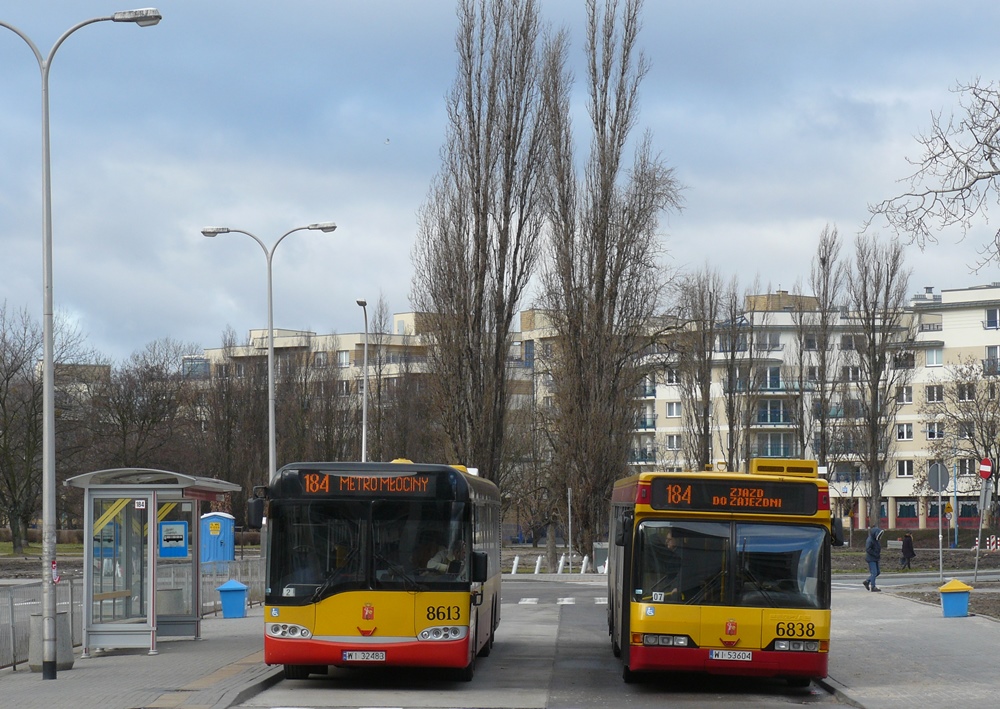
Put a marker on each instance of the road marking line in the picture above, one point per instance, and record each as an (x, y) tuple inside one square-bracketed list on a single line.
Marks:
[(528, 602)]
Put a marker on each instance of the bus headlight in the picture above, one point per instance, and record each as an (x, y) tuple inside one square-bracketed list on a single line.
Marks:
[(444, 632), (665, 640), (797, 645), (286, 630)]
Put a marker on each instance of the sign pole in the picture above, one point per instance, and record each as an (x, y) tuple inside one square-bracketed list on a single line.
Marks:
[(985, 495)]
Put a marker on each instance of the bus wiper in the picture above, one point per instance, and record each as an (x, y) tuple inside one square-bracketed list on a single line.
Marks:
[(410, 583), (748, 575), (334, 575)]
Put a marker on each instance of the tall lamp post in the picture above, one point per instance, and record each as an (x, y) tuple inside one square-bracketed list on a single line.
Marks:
[(212, 231), (144, 18), (364, 399)]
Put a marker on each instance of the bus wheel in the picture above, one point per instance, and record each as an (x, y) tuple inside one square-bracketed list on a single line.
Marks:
[(297, 671), (798, 681)]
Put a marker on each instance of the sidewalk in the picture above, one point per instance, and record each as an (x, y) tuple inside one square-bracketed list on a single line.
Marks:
[(221, 670), (890, 652)]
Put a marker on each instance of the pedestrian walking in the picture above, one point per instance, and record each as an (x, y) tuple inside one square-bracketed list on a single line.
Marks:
[(908, 553), (873, 555)]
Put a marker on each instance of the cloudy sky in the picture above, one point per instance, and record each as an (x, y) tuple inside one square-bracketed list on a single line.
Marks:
[(779, 117)]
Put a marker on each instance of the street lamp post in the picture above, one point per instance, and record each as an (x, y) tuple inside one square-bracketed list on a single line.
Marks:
[(364, 378), (213, 231), (144, 18)]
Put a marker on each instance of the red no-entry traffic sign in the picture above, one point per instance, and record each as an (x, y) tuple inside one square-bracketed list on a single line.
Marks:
[(985, 468)]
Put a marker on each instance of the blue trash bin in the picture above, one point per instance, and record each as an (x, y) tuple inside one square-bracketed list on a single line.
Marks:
[(955, 599), (234, 599)]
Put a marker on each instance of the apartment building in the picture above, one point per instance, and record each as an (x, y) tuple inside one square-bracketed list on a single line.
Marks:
[(774, 376), (948, 352)]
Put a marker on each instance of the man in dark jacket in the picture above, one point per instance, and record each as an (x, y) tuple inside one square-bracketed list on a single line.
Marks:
[(873, 555)]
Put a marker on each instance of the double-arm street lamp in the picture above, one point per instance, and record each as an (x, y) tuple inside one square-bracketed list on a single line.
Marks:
[(364, 381), (212, 231), (144, 18)]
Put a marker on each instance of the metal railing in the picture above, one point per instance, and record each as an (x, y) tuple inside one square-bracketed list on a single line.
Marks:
[(18, 602)]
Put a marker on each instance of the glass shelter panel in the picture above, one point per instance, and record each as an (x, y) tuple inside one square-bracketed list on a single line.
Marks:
[(120, 558)]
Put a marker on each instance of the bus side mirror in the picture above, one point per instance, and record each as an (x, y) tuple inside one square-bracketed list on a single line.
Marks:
[(255, 512), (837, 532), (480, 566)]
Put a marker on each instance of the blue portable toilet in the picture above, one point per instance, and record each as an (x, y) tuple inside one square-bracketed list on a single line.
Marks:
[(218, 538)]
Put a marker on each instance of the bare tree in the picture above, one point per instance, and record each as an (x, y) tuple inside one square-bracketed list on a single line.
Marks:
[(141, 418), (746, 374), (476, 244), (698, 313), (880, 357), (965, 422), (603, 282), (379, 359), (956, 177)]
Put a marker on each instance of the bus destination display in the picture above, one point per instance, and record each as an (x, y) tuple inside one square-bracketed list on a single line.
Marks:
[(701, 495), (317, 483)]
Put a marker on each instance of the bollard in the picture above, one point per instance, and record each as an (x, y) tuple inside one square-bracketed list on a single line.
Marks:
[(583, 566), (562, 563), (513, 568), (538, 564)]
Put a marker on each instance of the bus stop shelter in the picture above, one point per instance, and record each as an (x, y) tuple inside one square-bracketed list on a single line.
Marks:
[(141, 572)]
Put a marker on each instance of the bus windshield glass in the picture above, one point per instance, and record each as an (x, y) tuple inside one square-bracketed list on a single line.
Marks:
[(326, 546), (724, 563)]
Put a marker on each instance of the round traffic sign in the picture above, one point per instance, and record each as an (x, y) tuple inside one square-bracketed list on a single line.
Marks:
[(937, 477), (985, 468)]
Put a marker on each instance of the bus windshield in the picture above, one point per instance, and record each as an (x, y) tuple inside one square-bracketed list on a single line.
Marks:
[(328, 546), (723, 563)]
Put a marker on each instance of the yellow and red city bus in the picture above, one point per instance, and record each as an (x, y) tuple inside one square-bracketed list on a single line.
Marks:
[(723, 572), (379, 564)]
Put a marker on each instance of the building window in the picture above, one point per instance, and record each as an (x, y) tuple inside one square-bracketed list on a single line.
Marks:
[(992, 318), (966, 429), (903, 360), (810, 343), (670, 376), (343, 387), (906, 509), (673, 442), (772, 378), (673, 409), (904, 468), (319, 359), (775, 445), (966, 392), (904, 431), (773, 411), (934, 394), (847, 342), (934, 357), (343, 358), (812, 373), (968, 467), (851, 374), (935, 431), (769, 341), (904, 395)]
